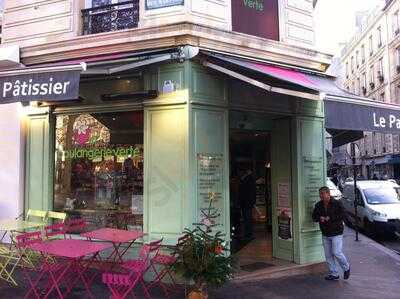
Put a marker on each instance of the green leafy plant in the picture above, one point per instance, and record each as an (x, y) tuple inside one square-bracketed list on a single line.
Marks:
[(204, 257)]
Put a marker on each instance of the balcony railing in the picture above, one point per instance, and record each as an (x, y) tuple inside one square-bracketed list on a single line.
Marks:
[(111, 17)]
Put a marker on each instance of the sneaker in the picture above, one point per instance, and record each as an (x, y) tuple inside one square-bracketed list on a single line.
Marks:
[(331, 277), (346, 274)]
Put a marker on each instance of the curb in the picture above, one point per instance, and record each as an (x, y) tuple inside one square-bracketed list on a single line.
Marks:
[(376, 245)]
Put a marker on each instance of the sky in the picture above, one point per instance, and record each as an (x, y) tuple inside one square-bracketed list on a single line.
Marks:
[(335, 22)]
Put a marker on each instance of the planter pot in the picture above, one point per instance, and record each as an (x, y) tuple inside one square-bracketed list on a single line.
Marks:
[(197, 295)]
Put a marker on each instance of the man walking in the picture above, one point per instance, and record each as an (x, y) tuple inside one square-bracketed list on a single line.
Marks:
[(328, 212)]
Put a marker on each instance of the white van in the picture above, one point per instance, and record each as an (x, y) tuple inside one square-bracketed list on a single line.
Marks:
[(378, 205)]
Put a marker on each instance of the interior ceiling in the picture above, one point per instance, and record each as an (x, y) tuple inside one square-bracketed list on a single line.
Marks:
[(248, 137), (121, 121)]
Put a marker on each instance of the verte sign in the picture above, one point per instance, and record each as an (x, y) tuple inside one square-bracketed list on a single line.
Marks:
[(254, 4)]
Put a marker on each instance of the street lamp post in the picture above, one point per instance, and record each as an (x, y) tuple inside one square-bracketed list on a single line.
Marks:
[(354, 152)]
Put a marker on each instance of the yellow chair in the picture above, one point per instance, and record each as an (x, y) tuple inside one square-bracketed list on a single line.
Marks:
[(34, 215), (9, 260), (56, 216)]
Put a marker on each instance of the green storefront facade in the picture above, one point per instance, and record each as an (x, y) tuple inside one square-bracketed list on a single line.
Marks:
[(189, 122)]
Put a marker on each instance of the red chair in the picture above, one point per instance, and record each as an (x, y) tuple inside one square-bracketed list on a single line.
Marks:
[(75, 226), (29, 260), (123, 284), (55, 231)]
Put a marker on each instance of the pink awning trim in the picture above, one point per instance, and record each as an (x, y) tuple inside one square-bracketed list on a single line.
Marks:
[(286, 74)]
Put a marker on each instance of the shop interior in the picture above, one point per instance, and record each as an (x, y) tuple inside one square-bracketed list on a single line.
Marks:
[(99, 168), (250, 151)]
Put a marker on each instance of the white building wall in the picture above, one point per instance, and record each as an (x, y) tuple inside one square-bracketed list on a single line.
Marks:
[(11, 160), (37, 22)]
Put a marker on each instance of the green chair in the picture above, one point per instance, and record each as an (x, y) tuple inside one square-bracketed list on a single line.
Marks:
[(36, 216), (56, 216)]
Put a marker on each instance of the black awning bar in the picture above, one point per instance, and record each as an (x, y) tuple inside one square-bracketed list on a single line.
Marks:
[(42, 70), (260, 84)]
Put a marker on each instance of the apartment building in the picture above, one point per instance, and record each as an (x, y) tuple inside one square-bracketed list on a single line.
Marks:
[(371, 68), (140, 111)]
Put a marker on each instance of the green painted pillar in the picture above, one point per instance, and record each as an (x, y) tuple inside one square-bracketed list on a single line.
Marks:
[(209, 137), (39, 162), (281, 177), (309, 174)]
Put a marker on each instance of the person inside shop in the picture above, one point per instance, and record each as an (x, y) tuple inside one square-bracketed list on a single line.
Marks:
[(234, 204), (247, 200), (329, 213)]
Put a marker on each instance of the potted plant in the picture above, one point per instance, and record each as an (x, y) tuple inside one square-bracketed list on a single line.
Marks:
[(204, 257)]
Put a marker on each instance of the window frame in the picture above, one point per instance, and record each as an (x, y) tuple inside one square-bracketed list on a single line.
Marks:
[(395, 23), (371, 45), (363, 53)]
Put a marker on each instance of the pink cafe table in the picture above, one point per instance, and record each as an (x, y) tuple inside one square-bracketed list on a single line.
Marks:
[(75, 258), (117, 237)]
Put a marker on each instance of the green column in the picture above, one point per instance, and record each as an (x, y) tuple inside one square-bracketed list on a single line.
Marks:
[(309, 173), (281, 175), (39, 162)]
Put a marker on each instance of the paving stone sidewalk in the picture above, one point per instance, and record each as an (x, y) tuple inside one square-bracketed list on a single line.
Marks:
[(375, 274)]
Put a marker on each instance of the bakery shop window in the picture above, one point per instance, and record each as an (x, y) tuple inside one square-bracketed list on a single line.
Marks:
[(99, 168)]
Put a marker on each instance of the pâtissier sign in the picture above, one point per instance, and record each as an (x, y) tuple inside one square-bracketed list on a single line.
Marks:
[(47, 86)]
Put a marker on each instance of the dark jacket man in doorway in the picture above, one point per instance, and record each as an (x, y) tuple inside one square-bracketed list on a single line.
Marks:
[(247, 200), (329, 213)]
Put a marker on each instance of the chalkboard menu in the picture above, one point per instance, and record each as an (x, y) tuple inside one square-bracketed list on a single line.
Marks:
[(210, 183)]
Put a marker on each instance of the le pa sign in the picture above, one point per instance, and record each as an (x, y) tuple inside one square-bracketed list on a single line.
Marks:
[(362, 117), (48, 86)]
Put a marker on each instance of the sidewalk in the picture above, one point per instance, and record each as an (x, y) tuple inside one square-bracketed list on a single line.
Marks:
[(375, 274)]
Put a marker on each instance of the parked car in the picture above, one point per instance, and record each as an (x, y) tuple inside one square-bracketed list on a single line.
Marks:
[(378, 205), (335, 192)]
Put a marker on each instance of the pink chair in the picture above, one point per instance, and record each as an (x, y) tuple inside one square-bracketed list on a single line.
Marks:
[(123, 284), (162, 266), (75, 226), (29, 261), (55, 231)]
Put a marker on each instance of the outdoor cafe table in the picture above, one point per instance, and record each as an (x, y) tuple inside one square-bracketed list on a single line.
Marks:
[(10, 225), (117, 237), (75, 257)]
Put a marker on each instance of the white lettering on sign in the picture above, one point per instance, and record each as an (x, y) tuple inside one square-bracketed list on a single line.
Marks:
[(379, 122), (394, 122), (29, 88)]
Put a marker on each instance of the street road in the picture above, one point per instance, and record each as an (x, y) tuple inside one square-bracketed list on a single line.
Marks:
[(391, 242)]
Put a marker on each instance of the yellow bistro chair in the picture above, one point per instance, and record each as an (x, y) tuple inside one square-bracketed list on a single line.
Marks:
[(35, 215), (56, 216), (9, 260)]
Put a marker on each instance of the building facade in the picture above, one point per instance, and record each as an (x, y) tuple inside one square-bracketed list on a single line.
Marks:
[(370, 68), (169, 106)]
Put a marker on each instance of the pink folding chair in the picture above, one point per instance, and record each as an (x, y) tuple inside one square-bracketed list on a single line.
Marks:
[(29, 260), (55, 231), (123, 284), (75, 226), (162, 265), (42, 272)]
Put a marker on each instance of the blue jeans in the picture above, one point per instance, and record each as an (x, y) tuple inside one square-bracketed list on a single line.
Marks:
[(333, 251)]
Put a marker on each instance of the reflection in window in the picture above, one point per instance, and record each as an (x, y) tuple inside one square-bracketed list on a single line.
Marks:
[(99, 168)]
